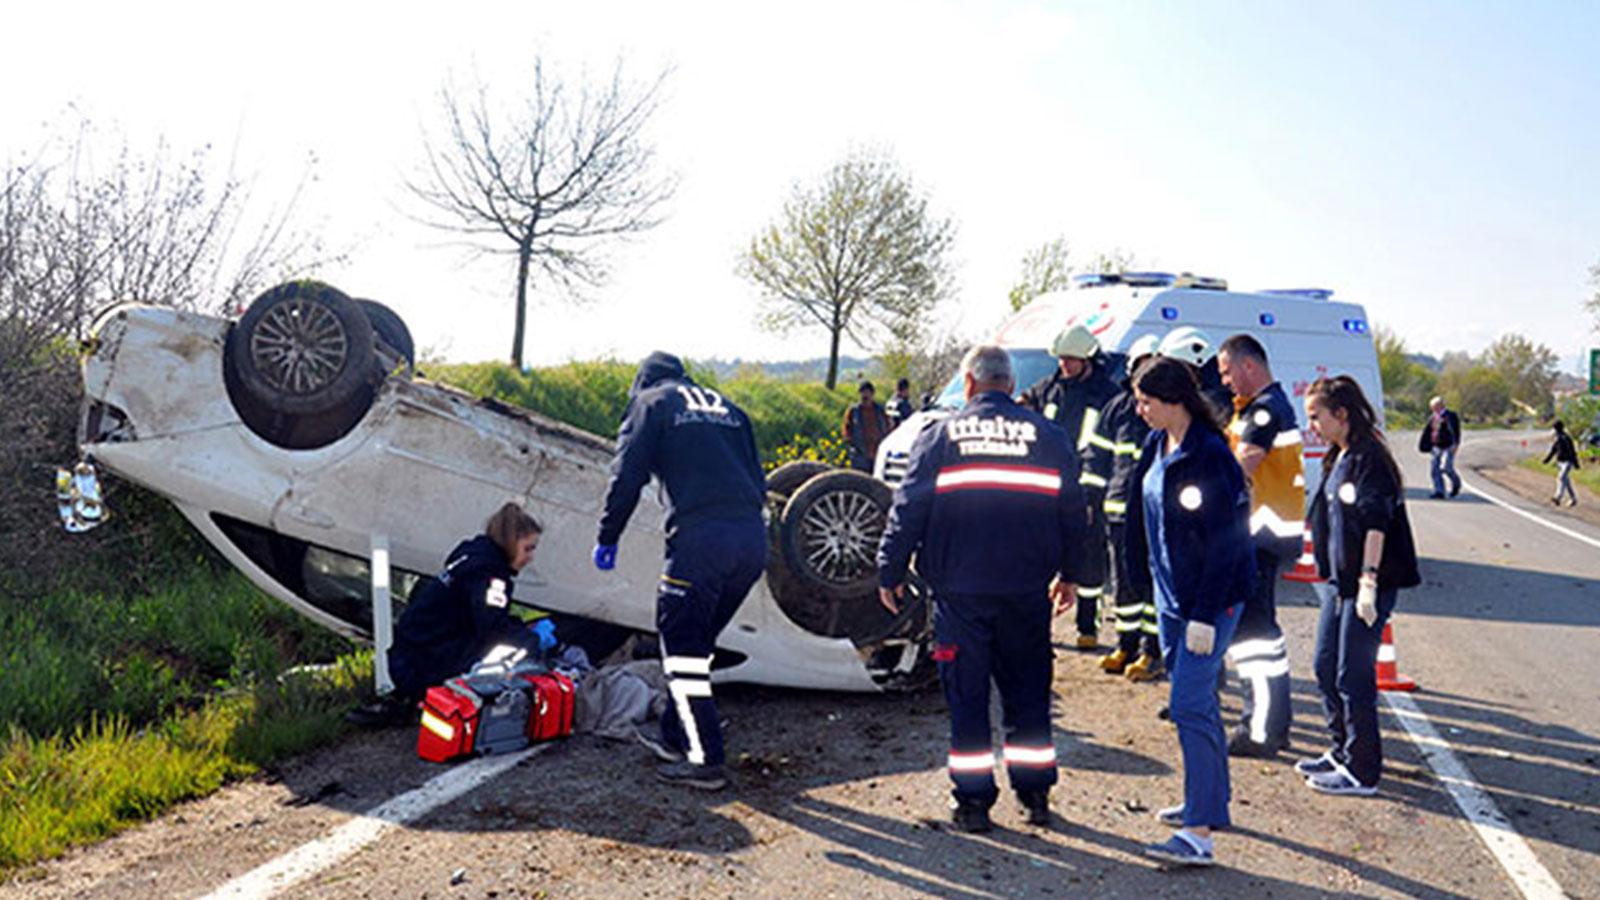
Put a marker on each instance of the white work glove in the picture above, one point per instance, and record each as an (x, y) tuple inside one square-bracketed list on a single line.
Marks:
[(1367, 602), (1200, 638)]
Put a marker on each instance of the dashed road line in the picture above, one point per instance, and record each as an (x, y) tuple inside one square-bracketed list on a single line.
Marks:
[(1530, 876), (308, 859)]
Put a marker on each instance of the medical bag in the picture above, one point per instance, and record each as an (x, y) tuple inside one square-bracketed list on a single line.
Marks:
[(551, 715), (486, 711)]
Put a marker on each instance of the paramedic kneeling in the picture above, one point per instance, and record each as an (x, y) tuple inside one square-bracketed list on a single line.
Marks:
[(1188, 520), (702, 448), (991, 508), (453, 620)]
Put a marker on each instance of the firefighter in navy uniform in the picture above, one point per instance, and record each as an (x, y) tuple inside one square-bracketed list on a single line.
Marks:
[(991, 508), (702, 448), (1114, 456), (1266, 441), (1072, 398)]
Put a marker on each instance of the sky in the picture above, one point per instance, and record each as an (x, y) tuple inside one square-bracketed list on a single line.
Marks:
[(1437, 162)]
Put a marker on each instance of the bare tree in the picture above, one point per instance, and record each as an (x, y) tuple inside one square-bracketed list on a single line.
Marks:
[(857, 255), (549, 183)]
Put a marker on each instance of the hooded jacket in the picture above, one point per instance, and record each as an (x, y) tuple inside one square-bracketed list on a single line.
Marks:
[(1205, 522), (1372, 502), (990, 505), (455, 618), (695, 440)]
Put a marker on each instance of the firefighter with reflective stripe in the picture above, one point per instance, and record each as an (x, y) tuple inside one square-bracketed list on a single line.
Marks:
[(1072, 397), (1265, 438), (991, 508), (1115, 456), (700, 445)]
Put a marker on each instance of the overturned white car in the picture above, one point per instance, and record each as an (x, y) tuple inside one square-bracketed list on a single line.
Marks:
[(295, 436)]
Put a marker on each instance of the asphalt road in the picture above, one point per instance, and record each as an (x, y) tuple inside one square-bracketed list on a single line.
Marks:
[(840, 795)]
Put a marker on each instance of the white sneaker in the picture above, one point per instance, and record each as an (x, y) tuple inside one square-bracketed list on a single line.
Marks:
[(1341, 783)]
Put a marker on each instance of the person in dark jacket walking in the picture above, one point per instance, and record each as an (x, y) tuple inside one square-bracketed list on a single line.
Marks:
[(454, 619), (1115, 457), (991, 509), (1362, 538), (1189, 521), (865, 424), (1565, 453), (1072, 397), (702, 448), (1440, 438)]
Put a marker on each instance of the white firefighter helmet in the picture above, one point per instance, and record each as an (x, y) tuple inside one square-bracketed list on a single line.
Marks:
[(1077, 341), (1142, 346), (1188, 344)]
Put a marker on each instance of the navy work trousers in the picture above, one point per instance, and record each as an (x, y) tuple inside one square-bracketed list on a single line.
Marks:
[(1198, 717), (1261, 654), (1346, 666), (710, 568), (1006, 640)]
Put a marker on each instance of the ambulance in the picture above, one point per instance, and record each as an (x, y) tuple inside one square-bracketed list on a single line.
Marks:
[(1306, 332)]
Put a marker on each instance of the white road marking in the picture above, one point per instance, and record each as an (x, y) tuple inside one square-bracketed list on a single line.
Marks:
[(1530, 876), (1530, 516), (308, 859)]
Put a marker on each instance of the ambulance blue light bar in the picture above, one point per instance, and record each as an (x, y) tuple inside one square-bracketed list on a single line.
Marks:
[(1308, 293), (1132, 279), (1355, 326)]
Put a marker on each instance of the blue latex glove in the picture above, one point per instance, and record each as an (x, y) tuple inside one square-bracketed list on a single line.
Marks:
[(545, 630), (605, 557)]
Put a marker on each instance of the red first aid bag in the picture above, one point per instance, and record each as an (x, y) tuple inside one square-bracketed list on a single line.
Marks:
[(449, 723), (550, 716)]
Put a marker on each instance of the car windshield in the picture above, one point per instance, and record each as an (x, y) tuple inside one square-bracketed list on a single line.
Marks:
[(1031, 367)]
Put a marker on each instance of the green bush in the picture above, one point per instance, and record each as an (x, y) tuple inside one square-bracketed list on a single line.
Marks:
[(593, 395)]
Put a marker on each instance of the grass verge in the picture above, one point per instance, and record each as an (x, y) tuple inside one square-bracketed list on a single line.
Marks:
[(115, 706)]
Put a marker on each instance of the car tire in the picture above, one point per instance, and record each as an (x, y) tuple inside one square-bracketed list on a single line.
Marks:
[(785, 478), (392, 334), (830, 530), (304, 349)]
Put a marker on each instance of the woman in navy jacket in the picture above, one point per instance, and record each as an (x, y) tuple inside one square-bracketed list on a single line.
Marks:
[(1363, 547), (1188, 516)]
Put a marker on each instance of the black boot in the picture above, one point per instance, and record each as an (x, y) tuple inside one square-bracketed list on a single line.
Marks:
[(1037, 803), (971, 817)]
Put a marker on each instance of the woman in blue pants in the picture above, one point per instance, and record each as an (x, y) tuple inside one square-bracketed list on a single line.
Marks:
[(1188, 515), (1364, 550)]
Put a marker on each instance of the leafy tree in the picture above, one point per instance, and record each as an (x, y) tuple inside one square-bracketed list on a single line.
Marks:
[(857, 255), (549, 184), (1592, 305), (1478, 392), (1044, 269), (1528, 369)]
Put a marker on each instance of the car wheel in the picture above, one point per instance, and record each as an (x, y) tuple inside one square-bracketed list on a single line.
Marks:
[(303, 349), (785, 478), (830, 531), (394, 338)]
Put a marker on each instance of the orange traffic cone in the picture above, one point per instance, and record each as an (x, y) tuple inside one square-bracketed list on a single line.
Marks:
[(1389, 677), (1305, 568)]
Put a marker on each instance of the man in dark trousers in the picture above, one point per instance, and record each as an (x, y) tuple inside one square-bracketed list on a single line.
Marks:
[(1441, 437), (865, 424), (990, 507), (1115, 457), (1072, 398), (1265, 437), (899, 408), (702, 448)]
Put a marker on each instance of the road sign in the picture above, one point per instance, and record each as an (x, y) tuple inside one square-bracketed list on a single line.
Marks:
[(1594, 371)]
